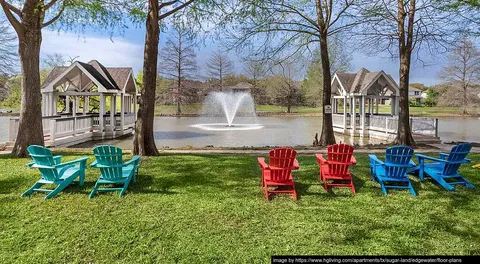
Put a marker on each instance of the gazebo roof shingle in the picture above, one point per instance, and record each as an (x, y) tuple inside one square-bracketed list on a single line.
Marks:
[(357, 82), (110, 77)]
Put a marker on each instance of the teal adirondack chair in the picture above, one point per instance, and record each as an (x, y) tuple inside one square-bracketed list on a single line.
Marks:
[(393, 172), (444, 170), (53, 171), (112, 169)]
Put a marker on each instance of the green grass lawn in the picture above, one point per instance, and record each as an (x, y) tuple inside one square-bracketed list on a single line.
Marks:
[(210, 208), (262, 109), (434, 111), (282, 109), (192, 109)]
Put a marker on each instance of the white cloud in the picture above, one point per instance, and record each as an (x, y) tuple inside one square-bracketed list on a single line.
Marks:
[(119, 53)]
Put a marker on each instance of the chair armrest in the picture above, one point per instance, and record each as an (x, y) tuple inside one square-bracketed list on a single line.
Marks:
[(353, 160), (296, 165), (134, 160), (30, 164), (82, 161), (412, 163), (443, 155), (57, 159), (94, 164), (375, 159), (262, 163), (421, 156), (273, 168), (321, 159), (35, 165)]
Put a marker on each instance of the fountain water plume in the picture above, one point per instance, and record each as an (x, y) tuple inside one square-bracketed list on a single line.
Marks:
[(228, 106)]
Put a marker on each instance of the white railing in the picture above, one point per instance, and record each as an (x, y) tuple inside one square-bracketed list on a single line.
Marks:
[(424, 125), (56, 126), (389, 124), (15, 122), (337, 120), (377, 122), (70, 126), (129, 120)]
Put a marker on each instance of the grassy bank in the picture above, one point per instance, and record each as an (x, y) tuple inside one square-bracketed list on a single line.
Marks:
[(304, 110), (211, 209), (195, 109)]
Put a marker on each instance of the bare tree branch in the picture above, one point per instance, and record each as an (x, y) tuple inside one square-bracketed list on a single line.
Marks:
[(11, 18), (55, 18), (170, 12)]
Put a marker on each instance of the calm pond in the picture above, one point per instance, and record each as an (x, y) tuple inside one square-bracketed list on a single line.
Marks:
[(278, 131)]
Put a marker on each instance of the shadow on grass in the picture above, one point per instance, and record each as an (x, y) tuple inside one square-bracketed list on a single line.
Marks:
[(148, 184), (10, 185)]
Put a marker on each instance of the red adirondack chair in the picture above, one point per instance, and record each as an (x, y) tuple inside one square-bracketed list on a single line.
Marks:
[(279, 171), (340, 157)]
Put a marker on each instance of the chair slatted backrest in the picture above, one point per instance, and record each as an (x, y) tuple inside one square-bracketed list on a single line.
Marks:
[(339, 158), (282, 158), (397, 161), (456, 157), (44, 157), (110, 160)]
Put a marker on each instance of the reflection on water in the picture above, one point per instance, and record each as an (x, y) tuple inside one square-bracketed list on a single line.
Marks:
[(278, 131)]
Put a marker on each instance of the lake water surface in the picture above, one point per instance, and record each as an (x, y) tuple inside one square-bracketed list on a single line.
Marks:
[(278, 131)]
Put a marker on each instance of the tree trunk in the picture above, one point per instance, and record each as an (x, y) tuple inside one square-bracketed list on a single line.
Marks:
[(327, 137), (404, 132), (30, 130), (144, 141)]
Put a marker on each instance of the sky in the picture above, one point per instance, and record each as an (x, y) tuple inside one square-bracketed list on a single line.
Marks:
[(126, 50)]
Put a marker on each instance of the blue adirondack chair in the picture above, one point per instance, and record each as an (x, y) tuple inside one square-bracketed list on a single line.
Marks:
[(112, 169), (53, 171), (393, 172), (444, 170)]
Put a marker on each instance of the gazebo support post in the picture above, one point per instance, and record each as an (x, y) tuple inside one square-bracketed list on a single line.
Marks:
[(86, 104), (122, 111), (112, 113), (354, 115), (55, 99), (75, 102), (67, 104), (362, 115), (392, 105), (135, 105), (397, 104), (344, 114), (101, 114)]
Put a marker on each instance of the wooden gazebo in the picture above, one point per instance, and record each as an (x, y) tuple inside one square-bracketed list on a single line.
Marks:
[(355, 107), (98, 103)]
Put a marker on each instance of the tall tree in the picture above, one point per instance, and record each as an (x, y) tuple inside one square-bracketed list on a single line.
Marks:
[(219, 66), (463, 67), (404, 28), (275, 29), (28, 22), (312, 85), (28, 18), (7, 49), (286, 89), (340, 61), (256, 71), (178, 60), (144, 141), (54, 60)]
